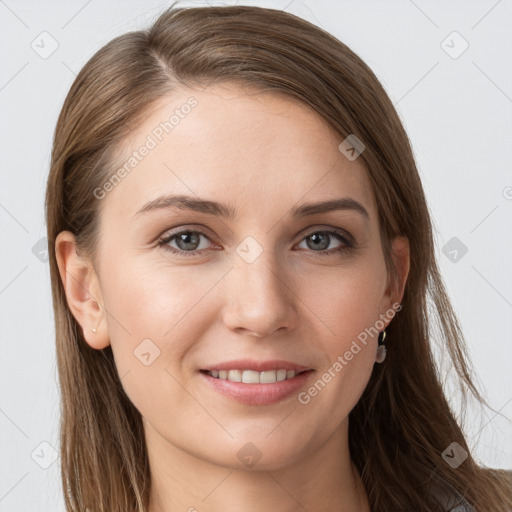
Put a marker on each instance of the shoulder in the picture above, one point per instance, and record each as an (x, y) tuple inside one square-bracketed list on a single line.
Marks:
[(448, 497), (462, 506), (453, 501)]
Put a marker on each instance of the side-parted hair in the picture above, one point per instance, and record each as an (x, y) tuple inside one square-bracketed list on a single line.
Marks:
[(403, 421)]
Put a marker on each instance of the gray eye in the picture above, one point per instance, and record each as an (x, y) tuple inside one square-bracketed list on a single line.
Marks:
[(319, 240)]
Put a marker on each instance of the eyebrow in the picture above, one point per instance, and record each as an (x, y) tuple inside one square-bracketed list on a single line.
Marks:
[(184, 202)]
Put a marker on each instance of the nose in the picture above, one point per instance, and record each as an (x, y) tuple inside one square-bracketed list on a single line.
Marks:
[(259, 298)]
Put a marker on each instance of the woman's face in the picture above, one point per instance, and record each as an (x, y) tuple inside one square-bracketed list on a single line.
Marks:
[(261, 284)]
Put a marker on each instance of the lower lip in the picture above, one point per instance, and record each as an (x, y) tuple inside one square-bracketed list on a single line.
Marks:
[(258, 394)]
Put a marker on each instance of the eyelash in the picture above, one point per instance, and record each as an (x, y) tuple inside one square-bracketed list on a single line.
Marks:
[(162, 242)]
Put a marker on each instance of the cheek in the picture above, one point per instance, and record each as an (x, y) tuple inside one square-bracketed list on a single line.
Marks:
[(156, 300), (346, 299), (158, 312), (155, 313), (346, 307)]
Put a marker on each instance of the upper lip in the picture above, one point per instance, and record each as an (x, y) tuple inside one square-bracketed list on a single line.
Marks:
[(258, 366)]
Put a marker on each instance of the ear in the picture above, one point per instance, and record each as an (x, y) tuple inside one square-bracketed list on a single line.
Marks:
[(83, 292), (401, 259)]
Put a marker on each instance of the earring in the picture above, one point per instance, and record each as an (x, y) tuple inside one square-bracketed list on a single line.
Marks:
[(94, 331), (381, 349)]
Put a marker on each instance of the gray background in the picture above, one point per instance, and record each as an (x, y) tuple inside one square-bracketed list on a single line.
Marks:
[(456, 106)]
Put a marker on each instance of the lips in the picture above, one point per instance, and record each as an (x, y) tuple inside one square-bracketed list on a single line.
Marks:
[(256, 382), (253, 393)]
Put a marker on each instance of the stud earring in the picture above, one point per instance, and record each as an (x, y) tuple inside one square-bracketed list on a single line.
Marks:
[(94, 331), (381, 349)]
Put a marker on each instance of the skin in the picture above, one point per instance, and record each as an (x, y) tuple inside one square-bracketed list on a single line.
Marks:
[(290, 303)]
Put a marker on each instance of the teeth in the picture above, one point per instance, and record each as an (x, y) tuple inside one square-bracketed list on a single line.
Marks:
[(253, 377), (249, 377), (281, 375), (235, 375)]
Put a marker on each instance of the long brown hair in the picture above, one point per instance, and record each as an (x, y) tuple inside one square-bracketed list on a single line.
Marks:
[(403, 421)]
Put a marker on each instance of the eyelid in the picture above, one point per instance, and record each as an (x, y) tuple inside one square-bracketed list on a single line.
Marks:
[(169, 235), (184, 228), (328, 229), (344, 236), (304, 233)]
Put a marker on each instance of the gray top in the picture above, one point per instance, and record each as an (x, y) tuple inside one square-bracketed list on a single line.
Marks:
[(450, 499), (462, 506), (454, 502)]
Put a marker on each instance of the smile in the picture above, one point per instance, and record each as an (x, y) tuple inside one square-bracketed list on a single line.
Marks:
[(254, 377), (250, 387)]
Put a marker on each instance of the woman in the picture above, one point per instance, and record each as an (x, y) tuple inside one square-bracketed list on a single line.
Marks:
[(241, 258)]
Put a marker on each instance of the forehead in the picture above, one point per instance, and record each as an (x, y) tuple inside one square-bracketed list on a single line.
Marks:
[(245, 148)]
